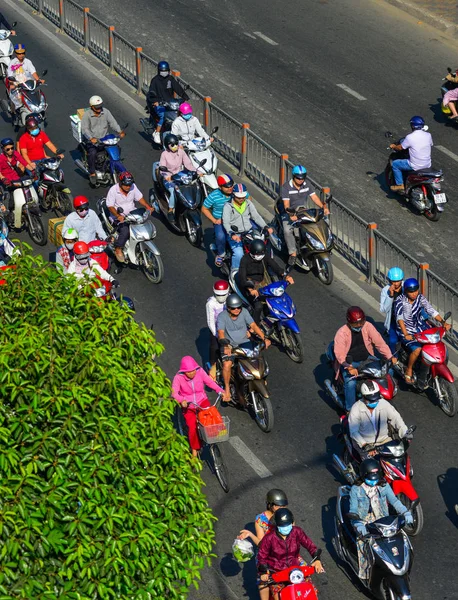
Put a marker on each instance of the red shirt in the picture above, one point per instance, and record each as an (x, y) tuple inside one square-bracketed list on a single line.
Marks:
[(7, 165), (34, 144)]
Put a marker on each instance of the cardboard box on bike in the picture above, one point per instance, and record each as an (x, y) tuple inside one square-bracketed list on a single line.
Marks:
[(55, 230)]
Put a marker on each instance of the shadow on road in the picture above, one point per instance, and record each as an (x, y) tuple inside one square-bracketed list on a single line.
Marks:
[(448, 487)]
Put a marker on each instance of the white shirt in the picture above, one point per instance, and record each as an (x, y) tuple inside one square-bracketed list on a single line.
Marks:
[(89, 271), (23, 72), (419, 143), (189, 130)]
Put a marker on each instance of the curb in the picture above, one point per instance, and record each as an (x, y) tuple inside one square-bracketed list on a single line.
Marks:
[(426, 16)]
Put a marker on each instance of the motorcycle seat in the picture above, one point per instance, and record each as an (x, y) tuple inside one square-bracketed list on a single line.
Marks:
[(429, 172)]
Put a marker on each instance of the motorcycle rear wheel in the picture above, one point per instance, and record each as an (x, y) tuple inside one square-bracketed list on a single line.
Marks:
[(265, 416), (325, 272), (292, 343), (448, 402), (418, 517), (36, 230), (154, 267), (64, 205), (433, 214)]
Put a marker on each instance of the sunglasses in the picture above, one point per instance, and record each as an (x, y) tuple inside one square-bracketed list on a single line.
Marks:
[(82, 208), (173, 147), (19, 53), (9, 148), (235, 308), (228, 185)]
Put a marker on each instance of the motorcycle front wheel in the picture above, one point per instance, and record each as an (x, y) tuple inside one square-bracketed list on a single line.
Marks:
[(264, 416), (193, 233), (449, 396), (417, 514), (153, 267), (388, 592), (292, 342), (325, 272), (36, 230), (64, 205)]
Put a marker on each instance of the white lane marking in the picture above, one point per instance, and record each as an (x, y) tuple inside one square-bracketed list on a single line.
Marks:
[(253, 37), (448, 152), (258, 467), (344, 87), (265, 38)]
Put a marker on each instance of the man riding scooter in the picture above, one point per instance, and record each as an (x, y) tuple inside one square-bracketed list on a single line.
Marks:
[(213, 209), (20, 70), (388, 297)]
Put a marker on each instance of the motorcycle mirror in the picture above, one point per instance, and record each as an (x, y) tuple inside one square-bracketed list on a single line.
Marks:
[(353, 516), (414, 504), (202, 162), (163, 169), (449, 70), (214, 130), (44, 72), (120, 210), (125, 126), (235, 228), (60, 151), (425, 127), (250, 284), (349, 359), (447, 316), (223, 342), (13, 24), (388, 134)]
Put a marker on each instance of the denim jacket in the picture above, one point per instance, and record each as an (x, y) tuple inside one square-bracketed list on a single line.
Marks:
[(360, 503)]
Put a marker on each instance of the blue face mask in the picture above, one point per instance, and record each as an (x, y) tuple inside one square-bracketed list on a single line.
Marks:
[(186, 117), (370, 482), (357, 329), (34, 131), (372, 404), (286, 530)]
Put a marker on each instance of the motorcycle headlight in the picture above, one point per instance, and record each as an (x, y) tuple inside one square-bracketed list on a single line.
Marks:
[(314, 242), (296, 576), (100, 292), (397, 451), (27, 181), (433, 338), (246, 374)]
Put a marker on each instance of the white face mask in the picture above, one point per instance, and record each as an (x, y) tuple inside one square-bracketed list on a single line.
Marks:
[(222, 299), (69, 245), (257, 257), (83, 260), (164, 73)]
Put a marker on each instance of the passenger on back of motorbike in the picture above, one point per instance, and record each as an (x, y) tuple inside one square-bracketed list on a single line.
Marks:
[(294, 193), (357, 339), (123, 195), (370, 420), (214, 306), (95, 125), (85, 267), (255, 272), (370, 498), (161, 89), (20, 70), (238, 217), (410, 308), (235, 326), (213, 207), (388, 297), (187, 127), (419, 144), (85, 221), (64, 253), (33, 143)]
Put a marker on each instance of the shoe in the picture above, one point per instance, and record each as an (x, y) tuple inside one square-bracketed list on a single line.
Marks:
[(157, 137), (119, 255), (397, 188), (171, 216), (219, 261), (292, 260), (92, 179)]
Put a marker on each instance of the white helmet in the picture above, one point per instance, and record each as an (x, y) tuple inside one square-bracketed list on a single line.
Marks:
[(370, 392), (70, 234), (95, 101)]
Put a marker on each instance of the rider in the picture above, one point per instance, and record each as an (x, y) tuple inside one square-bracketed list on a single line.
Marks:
[(12, 168), (235, 326), (370, 498), (86, 267), (161, 89), (409, 309), (294, 193), (85, 221), (188, 387), (357, 340), (419, 143), (215, 305), (280, 548), (255, 272), (33, 142), (174, 159), (64, 253), (213, 207), (124, 195), (95, 125), (20, 70), (370, 418), (187, 127), (238, 217), (388, 297)]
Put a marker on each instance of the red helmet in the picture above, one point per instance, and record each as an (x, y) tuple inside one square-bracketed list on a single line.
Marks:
[(81, 248), (355, 315), (225, 180), (79, 201), (221, 288)]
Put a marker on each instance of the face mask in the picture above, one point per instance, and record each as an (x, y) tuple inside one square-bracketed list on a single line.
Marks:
[(372, 404), (82, 261), (35, 131), (370, 482), (257, 257), (82, 213), (357, 329), (164, 73), (186, 117), (221, 299), (69, 245), (286, 530)]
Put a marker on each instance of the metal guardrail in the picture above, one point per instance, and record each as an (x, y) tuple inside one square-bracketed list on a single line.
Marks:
[(358, 241)]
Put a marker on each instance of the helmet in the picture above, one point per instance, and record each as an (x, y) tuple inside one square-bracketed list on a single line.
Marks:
[(221, 288), (411, 285), (257, 248), (95, 101), (355, 315), (299, 171), (19, 47), (70, 234), (369, 469), (79, 201), (6, 142), (417, 122), (234, 301), (395, 274), (81, 250), (225, 180), (277, 497), (126, 178), (283, 516), (163, 66), (31, 122), (370, 391), (240, 190), (185, 108), (170, 140)]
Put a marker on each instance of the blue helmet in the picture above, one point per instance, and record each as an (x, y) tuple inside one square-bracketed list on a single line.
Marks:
[(6, 142), (417, 122), (395, 274), (163, 65), (299, 171), (411, 285)]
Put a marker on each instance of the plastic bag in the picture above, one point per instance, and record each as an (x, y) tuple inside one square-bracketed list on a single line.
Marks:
[(242, 550)]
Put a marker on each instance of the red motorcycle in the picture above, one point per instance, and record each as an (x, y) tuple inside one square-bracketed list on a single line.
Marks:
[(98, 250), (297, 581)]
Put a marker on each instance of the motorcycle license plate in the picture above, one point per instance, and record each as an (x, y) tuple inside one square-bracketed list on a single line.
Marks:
[(440, 198)]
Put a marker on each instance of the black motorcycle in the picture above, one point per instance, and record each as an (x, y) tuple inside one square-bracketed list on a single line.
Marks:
[(52, 191), (171, 113)]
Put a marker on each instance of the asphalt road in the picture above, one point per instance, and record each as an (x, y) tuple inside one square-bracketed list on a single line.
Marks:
[(298, 451)]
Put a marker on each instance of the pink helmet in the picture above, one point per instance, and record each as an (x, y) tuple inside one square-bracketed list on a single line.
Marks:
[(185, 108)]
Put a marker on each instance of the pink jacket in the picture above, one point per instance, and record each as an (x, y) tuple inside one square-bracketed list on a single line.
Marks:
[(192, 390), (372, 340), (175, 161)]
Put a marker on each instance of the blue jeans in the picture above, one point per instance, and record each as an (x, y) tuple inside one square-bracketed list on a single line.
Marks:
[(237, 252), (220, 239), (350, 385), (400, 165), (170, 187), (393, 337), (160, 114)]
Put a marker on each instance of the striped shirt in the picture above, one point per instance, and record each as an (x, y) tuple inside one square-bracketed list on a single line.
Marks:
[(411, 314)]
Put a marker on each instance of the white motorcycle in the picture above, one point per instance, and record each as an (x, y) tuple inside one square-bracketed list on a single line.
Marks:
[(199, 150), (6, 51)]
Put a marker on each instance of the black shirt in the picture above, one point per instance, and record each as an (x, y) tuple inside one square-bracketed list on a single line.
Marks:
[(393, 312), (4, 23), (358, 350), (161, 89), (253, 270)]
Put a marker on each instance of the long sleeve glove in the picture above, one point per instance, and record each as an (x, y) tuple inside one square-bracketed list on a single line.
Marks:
[(408, 517), (360, 529)]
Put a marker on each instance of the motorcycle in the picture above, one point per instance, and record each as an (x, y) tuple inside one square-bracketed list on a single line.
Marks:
[(52, 191), (388, 547), (314, 241), (198, 150), (6, 50), (30, 215), (422, 188), (432, 372), (139, 249), (98, 252), (7, 248), (248, 384), (33, 102), (188, 194), (446, 87), (397, 470), (108, 162), (103, 289), (297, 582), (171, 113)]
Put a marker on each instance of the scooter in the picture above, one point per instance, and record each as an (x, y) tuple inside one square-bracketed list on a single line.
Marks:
[(98, 252), (52, 191), (422, 188), (108, 162), (431, 370), (33, 102), (171, 113), (198, 150), (297, 583), (139, 249), (30, 216), (188, 194), (103, 289), (7, 248), (6, 50), (388, 547), (446, 87)]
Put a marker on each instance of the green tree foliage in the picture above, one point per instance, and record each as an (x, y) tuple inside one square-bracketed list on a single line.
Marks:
[(98, 495)]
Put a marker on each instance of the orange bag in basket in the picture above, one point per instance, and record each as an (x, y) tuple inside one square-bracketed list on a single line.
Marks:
[(210, 416)]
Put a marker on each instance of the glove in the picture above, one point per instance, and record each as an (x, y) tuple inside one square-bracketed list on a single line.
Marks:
[(360, 529), (115, 283), (408, 517)]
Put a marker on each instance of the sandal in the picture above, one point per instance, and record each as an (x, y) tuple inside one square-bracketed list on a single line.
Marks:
[(409, 379), (219, 261)]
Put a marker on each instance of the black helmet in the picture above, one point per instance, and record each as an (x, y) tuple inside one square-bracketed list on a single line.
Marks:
[(163, 66), (257, 247), (126, 178), (370, 469), (283, 517), (31, 122), (277, 497), (170, 140), (234, 301)]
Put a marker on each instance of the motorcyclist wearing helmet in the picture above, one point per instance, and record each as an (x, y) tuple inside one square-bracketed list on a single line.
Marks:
[(213, 207), (95, 125), (235, 326), (410, 308), (255, 271), (12, 168), (295, 193), (390, 292), (356, 340), (238, 217), (370, 419), (370, 498), (214, 306), (4, 24), (280, 548), (161, 89), (187, 127), (451, 96), (19, 70), (263, 522), (85, 267), (85, 221), (419, 144), (33, 143), (123, 196), (64, 253)]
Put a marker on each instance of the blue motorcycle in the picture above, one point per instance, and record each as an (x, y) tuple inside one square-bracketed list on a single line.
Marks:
[(108, 162)]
